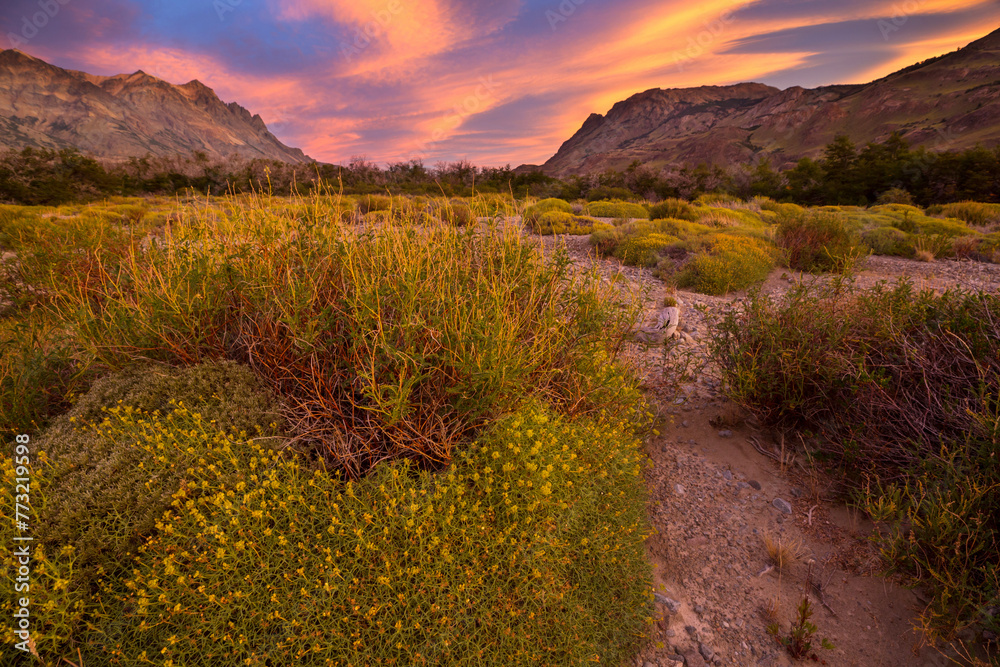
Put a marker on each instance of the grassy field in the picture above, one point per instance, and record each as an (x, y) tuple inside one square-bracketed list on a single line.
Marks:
[(341, 430)]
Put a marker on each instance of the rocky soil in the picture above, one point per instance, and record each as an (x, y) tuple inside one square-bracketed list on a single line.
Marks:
[(719, 487)]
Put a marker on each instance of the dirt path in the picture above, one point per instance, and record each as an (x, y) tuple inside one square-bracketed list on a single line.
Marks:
[(715, 498)]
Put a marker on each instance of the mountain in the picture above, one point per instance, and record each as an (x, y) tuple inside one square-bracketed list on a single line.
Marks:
[(945, 103), (116, 117)]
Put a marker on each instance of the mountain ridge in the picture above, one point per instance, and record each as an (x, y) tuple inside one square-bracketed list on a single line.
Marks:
[(125, 115), (946, 102)]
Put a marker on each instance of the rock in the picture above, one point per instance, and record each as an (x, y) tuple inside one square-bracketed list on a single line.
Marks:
[(728, 475), (675, 658), (725, 433), (679, 489), (698, 609), (755, 484), (782, 505), (673, 606), (648, 664), (691, 630), (706, 652)]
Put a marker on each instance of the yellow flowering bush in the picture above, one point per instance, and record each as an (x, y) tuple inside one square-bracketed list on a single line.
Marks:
[(731, 263), (526, 549)]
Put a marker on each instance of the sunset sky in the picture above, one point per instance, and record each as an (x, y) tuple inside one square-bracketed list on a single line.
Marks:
[(492, 81)]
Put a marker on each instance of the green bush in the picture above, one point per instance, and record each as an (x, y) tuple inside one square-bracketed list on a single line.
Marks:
[(615, 209), (888, 241), (673, 208), (535, 211), (560, 222), (818, 243), (731, 263), (517, 553), (643, 250), (902, 389)]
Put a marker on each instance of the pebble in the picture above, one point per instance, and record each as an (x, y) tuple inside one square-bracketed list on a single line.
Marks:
[(679, 489), (725, 433), (728, 475), (691, 630), (782, 505), (706, 652), (672, 605), (674, 657), (755, 484)]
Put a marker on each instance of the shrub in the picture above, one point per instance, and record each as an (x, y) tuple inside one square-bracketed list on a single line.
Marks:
[(383, 343), (535, 211), (731, 263), (455, 212), (673, 208), (371, 203), (942, 227), (681, 228), (973, 213), (902, 389), (782, 210), (888, 241), (643, 250), (605, 238), (604, 192), (518, 553), (727, 217), (895, 196), (818, 243), (850, 364), (615, 209), (560, 222)]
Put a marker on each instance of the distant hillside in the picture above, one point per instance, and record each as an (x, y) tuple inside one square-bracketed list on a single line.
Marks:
[(945, 103), (126, 115)]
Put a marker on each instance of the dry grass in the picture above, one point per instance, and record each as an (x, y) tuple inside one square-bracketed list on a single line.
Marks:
[(782, 553)]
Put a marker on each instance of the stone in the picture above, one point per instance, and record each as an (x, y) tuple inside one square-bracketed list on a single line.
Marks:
[(673, 606), (691, 630), (706, 652), (675, 658), (726, 433), (782, 505), (728, 475), (755, 484), (679, 489)]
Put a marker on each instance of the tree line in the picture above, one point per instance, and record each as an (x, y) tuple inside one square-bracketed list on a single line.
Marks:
[(845, 174)]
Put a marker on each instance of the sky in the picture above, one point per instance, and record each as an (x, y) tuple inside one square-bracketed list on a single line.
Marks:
[(494, 82)]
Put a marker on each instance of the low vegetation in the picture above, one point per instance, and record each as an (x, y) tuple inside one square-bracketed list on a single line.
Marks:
[(266, 434), (901, 390)]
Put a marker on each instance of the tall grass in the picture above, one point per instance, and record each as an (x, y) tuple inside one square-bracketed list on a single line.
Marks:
[(384, 341)]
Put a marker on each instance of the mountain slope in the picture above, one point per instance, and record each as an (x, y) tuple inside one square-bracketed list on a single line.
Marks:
[(116, 117), (946, 103)]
